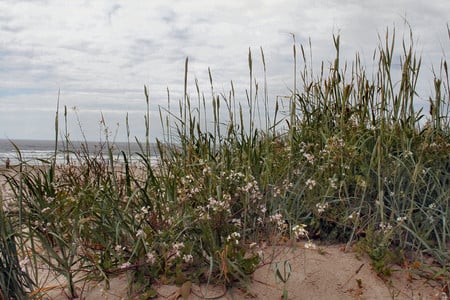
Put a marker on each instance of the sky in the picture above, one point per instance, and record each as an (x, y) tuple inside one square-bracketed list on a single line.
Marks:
[(98, 55)]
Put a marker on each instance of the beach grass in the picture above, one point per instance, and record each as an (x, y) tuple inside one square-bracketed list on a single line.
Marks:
[(345, 157)]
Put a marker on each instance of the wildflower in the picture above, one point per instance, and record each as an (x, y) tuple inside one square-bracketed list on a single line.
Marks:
[(287, 185), (125, 265), (276, 192), (177, 247), (139, 217), (206, 170), (49, 199), (119, 248), (310, 245), (309, 157), (300, 230), (432, 206), (216, 205), (353, 215), (310, 183), (321, 207), (408, 154), (204, 215), (150, 258), (235, 236), (277, 219), (385, 227), (145, 209), (141, 233), (262, 208), (401, 219), (260, 254), (188, 258), (333, 182)]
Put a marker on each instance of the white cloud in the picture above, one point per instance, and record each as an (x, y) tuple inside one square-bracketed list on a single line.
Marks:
[(101, 53)]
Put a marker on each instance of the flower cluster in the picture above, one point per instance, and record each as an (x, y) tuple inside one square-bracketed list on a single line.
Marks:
[(142, 214), (321, 207), (401, 219), (333, 182), (234, 238), (310, 158), (189, 188), (300, 231), (150, 258), (310, 183), (278, 220), (251, 188), (385, 227), (176, 249)]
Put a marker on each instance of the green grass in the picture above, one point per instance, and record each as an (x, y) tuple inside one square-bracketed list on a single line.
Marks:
[(346, 153)]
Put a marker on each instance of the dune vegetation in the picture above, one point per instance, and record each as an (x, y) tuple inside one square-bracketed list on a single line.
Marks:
[(346, 157)]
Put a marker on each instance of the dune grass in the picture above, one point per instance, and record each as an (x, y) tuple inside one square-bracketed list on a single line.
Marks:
[(345, 157)]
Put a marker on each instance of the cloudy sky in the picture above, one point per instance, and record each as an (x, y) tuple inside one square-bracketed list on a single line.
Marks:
[(100, 53)]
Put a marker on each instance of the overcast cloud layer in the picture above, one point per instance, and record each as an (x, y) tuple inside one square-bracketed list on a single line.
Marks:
[(100, 54)]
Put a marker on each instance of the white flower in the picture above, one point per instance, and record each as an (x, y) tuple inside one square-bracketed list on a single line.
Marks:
[(125, 265), (188, 258), (310, 245), (401, 219), (385, 227), (206, 170), (333, 182), (353, 215), (300, 230), (119, 248), (321, 207), (177, 247), (145, 209), (309, 157), (276, 192), (235, 236), (278, 219), (141, 233), (150, 258), (310, 183), (49, 199)]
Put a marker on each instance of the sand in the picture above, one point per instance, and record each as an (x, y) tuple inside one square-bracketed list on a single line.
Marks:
[(324, 273)]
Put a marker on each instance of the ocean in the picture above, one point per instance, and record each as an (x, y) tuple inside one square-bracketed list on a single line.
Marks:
[(36, 151)]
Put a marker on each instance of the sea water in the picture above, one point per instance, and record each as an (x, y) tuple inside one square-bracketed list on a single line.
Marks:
[(40, 151)]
